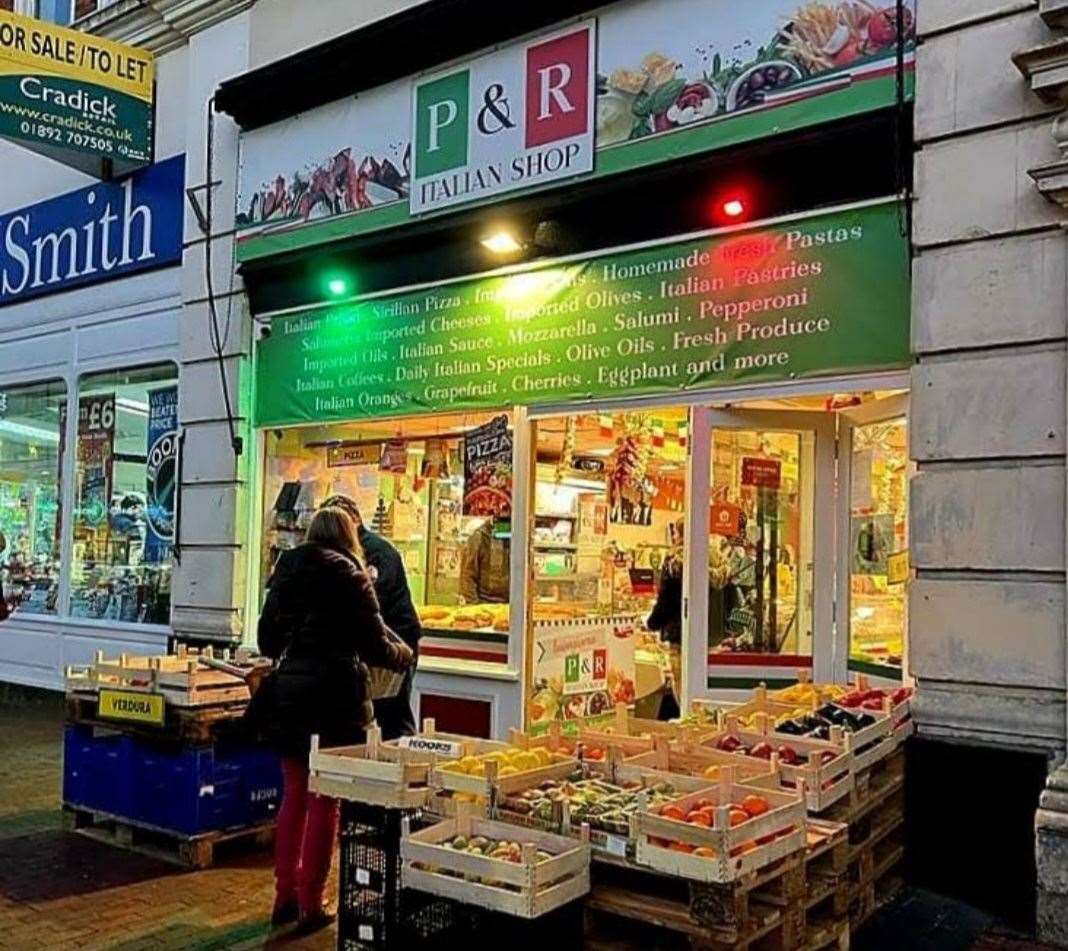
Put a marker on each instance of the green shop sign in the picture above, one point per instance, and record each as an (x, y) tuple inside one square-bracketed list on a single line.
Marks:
[(801, 297)]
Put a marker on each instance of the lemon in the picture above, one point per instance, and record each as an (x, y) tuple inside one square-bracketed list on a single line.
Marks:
[(508, 771), (467, 764), (527, 761), (545, 757)]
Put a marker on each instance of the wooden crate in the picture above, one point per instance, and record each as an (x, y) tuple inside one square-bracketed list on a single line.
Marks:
[(180, 724), (822, 781), (188, 678), (694, 759), (783, 826), (385, 774), (527, 889)]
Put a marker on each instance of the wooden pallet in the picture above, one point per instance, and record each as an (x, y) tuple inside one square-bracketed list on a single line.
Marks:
[(768, 919), (827, 935), (182, 724), (196, 851)]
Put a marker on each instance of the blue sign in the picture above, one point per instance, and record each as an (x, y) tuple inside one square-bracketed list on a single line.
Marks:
[(160, 472), (94, 234)]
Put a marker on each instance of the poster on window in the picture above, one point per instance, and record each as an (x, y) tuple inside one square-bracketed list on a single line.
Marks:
[(488, 470), (96, 450), (161, 473), (582, 667)]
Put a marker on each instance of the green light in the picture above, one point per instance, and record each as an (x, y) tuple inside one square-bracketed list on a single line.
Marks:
[(337, 286)]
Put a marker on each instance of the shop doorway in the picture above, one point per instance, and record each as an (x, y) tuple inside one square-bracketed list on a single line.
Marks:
[(806, 564)]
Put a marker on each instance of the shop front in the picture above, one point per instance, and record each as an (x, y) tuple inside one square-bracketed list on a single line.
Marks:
[(639, 476), (661, 452)]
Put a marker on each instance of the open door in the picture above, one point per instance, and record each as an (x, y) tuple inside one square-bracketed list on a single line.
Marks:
[(766, 601), (873, 552)]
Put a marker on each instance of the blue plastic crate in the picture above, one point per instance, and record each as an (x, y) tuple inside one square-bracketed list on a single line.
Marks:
[(98, 769), (190, 790)]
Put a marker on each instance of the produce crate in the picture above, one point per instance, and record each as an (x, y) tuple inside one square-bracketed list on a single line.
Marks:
[(634, 735), (693, 759), (527, 888), (825, 774), (732, 851), (393, 775), (495, 780)]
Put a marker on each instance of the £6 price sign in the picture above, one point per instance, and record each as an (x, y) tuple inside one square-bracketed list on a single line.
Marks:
[(514, 118)]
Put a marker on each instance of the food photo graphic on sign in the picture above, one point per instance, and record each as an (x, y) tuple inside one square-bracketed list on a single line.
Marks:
[(582, 668), (75, 97), (820, 294), (488, 470), (161, 473), (668, 78)]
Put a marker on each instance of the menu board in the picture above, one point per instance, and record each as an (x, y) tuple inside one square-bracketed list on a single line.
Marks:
[(828, 293), (582, 667)]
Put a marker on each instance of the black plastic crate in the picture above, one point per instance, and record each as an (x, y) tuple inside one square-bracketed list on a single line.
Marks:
[(374, 912)]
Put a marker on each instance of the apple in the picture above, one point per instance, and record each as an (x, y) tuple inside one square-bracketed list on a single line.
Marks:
[(729, 743), (788, 755), (761, 750)]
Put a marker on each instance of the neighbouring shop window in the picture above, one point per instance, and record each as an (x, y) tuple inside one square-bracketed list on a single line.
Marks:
[(607, 557), (438, 488), (760, 540), (124, 495), (31, 454), (878, 544)]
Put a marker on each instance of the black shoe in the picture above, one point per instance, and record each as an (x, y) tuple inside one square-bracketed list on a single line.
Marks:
[(285, 914), (316, 920)]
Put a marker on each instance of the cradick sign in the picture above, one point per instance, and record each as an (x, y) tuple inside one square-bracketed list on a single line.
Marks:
[(93, 234)]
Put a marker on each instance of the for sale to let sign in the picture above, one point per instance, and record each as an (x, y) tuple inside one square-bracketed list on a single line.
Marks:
[(514, 118)]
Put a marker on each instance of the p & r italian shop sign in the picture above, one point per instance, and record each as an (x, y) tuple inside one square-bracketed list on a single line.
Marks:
[(75, 97)]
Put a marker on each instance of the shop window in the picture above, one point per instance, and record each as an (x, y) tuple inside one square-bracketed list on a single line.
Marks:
[(56, 11), (439, 489), (31, 454), (878, 546), (607, 558), (124, 495), (759, 602)]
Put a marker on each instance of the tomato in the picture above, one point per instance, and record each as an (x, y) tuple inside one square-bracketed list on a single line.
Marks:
[(699, 818), (704, 803), (755, 805), (681, 847), (738, 816), (673, 812)]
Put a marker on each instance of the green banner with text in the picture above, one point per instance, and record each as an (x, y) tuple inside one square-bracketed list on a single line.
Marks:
[(823, 294)]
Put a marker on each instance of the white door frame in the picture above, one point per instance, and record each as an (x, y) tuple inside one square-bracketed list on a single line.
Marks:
[(821, 479), (874, 412)]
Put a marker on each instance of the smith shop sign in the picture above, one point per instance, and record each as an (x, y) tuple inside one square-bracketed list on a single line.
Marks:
[(801, 297), (68, 94), (93, 234)]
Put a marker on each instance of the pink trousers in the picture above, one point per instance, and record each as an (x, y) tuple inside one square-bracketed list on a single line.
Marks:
[(304, 842)]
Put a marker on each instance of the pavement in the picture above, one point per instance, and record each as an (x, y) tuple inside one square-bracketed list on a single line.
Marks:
[(60, 890)]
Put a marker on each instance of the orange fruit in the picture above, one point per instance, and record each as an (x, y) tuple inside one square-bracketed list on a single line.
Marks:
[(681, 847), (673, 812), (755, 805), (705, 852), (743, 848), (699, 817), (738, 816)]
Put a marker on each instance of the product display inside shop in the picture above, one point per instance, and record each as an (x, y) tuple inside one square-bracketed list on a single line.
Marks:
[(438, 488)]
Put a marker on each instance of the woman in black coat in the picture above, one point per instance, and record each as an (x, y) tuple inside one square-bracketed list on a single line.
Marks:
[(323, 624)]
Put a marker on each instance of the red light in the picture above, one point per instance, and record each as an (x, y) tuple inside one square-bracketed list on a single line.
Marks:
[(734, 207)]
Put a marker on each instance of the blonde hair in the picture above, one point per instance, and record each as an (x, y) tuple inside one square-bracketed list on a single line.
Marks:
[(333, 527)]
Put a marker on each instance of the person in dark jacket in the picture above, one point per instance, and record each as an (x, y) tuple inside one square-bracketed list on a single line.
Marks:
[(394, 715), (322, 622)]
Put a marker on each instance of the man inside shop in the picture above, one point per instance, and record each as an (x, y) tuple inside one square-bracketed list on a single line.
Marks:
[(485, 566), (394, 715)]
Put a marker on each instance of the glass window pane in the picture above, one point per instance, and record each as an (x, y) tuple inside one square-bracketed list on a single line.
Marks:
[(124, 492), (606, 553), (437, 488), (31, 450), (878, 509), (761, 537), (55, 11)]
